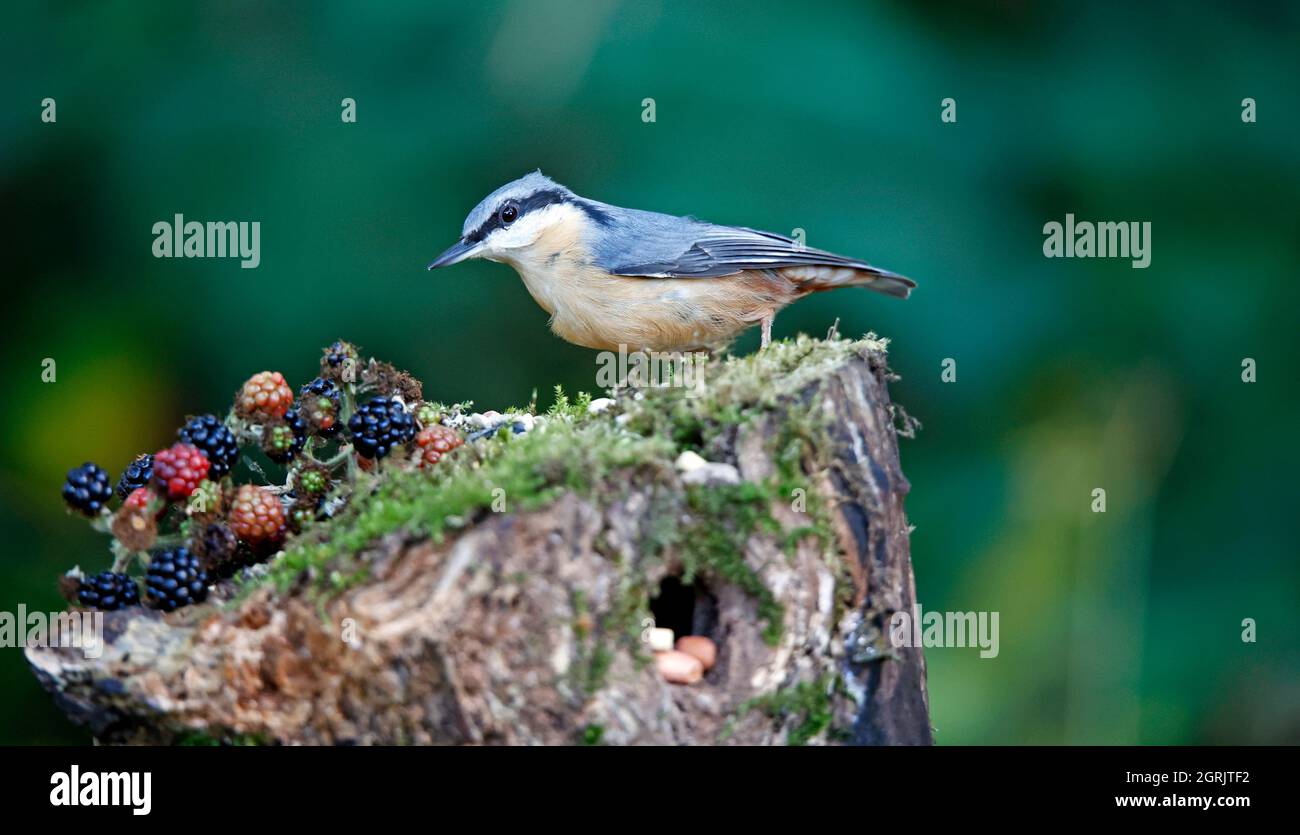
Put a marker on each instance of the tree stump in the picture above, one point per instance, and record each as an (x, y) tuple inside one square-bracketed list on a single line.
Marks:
[(527, 626)]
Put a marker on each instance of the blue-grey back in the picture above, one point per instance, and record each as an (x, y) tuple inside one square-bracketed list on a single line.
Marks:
[(634, 242)]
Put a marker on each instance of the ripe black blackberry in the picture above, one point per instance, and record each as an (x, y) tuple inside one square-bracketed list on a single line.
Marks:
[(137, 474), (283, 440), (174, 579), (87, 488), (214, 440), (107, 591), (380, 425)]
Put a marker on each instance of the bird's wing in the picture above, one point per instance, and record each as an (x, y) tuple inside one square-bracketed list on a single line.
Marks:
[(710, 251)]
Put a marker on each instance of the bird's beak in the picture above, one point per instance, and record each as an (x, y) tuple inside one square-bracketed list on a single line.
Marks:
[(456, 253)]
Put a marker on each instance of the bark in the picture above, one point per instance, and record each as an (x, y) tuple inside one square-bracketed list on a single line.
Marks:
[(522, 629)]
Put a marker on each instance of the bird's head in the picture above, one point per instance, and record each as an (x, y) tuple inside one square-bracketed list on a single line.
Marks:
[(507, 224)]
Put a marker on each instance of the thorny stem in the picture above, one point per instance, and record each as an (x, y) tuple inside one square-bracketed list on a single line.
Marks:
[(344, 453), (346, 410)]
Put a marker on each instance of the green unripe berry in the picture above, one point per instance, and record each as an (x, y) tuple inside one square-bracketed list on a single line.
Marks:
[(312, 481)]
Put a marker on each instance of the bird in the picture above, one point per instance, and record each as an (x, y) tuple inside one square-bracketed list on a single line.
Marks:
[(625, 279)]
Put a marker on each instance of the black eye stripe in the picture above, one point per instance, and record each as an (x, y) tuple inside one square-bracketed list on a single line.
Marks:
[(533, 202)]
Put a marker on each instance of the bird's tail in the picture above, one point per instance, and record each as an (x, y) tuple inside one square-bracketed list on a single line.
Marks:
[(829, 277)]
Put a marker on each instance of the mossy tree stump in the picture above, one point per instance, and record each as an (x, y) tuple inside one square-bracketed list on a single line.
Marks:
[(504, 599)]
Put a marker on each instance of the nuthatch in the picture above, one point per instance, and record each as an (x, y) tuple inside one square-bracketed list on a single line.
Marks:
[(614, 277)]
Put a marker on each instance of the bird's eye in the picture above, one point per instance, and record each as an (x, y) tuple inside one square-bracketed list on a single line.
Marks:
[(509, 212)]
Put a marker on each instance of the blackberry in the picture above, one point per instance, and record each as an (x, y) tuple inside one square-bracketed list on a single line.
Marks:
[(175, 578), (319, 402), (136, 475), (302, 511), (257, 518), (380, 425), (436, 441), (282, 441), (312, 481), (215, 440), (218, 549), (107, 591), (427, 414), (264, 396), (87, 488), (135, 525), (180, 469), (337, 359)]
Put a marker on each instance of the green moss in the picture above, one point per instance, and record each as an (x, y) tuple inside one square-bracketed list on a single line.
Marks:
[(809, 701), (523, 472), (738, 388), (804, 444), (571, 450), (593, 734), (562, 408), (723, 518), (205, 739)]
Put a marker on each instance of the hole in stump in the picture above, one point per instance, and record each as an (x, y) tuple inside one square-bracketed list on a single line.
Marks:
[(685, 608)]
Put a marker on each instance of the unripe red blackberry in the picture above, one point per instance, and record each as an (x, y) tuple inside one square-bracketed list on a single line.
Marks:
[(140, 498), (257, 517), (178, 470), (436, 441), (265, 396)]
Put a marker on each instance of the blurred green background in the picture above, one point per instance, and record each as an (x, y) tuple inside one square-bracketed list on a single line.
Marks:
[(1123, 627)]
